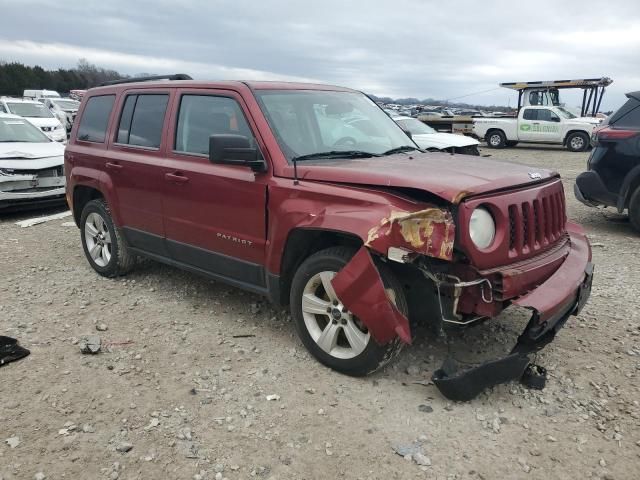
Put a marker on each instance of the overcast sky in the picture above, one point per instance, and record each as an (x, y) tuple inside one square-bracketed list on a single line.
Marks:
[(400, 48)]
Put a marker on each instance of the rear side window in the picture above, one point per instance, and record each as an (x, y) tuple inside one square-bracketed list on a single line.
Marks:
[(95, 118), (201, 116), (628, 115), (530, 114), (142, 119)]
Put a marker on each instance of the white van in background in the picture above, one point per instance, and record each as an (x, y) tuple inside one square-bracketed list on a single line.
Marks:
[(40, 94)]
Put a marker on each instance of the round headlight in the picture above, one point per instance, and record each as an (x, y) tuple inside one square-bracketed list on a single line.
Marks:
[(482, 228)]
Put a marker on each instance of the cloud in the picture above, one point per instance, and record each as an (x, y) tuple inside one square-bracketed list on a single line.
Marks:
[(412, 48), (67, 55)]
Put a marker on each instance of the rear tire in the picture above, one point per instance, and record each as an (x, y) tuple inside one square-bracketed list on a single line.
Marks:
[(634, 209), (577, 142), (345, 346), (496, 139), (103, 245)]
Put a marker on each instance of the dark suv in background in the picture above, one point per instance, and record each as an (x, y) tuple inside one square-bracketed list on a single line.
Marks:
[(613, 176)]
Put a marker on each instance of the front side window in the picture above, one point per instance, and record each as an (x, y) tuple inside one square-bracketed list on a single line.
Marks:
[(95, 118), (30, 110), (321, 124), (546, 115), (201, 116), (142, 120)]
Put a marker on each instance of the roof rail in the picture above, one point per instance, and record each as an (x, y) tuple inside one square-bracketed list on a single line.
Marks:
[(175, 76)]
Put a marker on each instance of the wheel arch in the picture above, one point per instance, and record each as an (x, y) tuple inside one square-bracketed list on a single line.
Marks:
[(83, 194), (301, 243), (491, 130), (629, 185), (575, 130)]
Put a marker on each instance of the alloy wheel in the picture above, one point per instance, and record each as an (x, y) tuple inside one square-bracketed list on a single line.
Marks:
[(334, 329), (98, 239)]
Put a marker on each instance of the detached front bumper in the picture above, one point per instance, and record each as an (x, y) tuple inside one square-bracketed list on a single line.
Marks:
[(552, 303)]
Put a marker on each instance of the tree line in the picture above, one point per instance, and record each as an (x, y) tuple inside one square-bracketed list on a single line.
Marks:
[(16, 77)]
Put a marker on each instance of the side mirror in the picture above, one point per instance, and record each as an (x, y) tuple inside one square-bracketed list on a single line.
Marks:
[(235, 150), (555, 119)]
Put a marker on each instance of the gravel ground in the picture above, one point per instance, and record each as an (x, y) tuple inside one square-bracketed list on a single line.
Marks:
[(175, 394)]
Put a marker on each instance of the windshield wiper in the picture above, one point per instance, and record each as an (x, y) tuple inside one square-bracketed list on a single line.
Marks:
[(335, 154), (403, 148)]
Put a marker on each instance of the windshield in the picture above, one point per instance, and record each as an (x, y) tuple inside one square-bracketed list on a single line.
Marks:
[(32, 110), (415, 127), (66, 104), (312, 122), (18, 130), (565, 113)]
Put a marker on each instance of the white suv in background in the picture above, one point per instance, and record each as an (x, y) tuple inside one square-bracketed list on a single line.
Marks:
[(65, 110), (36, 113)]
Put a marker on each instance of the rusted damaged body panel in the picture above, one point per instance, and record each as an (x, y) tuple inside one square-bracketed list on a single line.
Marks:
[(360, 288), (429, 232)]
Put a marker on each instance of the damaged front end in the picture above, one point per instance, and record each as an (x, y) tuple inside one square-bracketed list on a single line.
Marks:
[(24, 186), (553, 286)]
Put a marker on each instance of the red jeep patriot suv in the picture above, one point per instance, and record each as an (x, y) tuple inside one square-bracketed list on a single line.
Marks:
[(312, 196)]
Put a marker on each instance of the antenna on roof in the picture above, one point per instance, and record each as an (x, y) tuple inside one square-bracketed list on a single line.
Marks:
[(175, 76)]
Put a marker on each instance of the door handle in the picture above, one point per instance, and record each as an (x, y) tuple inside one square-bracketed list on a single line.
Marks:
[(536, 123), (113, 166), (176, 177)]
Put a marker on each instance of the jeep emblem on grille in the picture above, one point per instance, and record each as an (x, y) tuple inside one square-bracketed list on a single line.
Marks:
[(535, 175)]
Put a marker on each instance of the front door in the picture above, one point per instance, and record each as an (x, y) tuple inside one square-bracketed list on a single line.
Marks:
[(214, 215), (539, 125)]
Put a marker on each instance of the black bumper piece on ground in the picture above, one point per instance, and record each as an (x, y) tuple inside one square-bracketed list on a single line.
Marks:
[(463, 385)]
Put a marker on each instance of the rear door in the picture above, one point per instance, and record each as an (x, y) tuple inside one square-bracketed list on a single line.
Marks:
[(135, 166), (214, 215)]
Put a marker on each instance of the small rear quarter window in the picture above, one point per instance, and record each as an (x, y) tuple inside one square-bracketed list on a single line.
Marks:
[(95, 118)]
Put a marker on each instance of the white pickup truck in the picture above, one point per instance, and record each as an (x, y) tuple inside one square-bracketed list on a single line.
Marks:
[(537, 124)]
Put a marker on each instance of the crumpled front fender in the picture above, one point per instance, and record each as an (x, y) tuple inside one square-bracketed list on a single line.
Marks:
[(430, 232), (360, 288)]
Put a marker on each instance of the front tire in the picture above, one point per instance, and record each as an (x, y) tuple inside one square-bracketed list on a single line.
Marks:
[(577, 142), (103, 245), (634, 209), (334, 336), (496, 139)]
